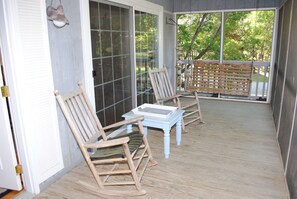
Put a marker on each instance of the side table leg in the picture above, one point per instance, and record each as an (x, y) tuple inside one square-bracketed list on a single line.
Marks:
[(129, 128), (178, 131), (166, 142)]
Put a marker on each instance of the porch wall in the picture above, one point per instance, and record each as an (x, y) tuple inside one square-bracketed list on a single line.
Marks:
[(284, 91), (208, 5), (68, 69), (169, 47), (167, 4)]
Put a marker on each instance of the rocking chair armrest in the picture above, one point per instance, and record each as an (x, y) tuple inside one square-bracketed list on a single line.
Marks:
[(186, 93), (108, 143), (170, 98), (133, 120)]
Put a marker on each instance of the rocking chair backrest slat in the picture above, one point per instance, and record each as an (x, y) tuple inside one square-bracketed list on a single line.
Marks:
[(161, 84), (86, 120), (88, 112), (75, 117), (167, 83), (158, 82), (91, 112), (82, 117), (86, 131)]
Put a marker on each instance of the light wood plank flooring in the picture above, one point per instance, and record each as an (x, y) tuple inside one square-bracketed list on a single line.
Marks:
[(233, 156)]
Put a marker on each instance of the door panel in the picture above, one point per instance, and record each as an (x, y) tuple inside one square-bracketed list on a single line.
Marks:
[(8, 161)]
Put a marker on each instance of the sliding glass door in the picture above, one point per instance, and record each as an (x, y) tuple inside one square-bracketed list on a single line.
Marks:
[(146, 42), (111, 54), (120, 70)]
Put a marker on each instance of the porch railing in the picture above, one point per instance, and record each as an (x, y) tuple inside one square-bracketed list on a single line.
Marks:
[(259, 83)]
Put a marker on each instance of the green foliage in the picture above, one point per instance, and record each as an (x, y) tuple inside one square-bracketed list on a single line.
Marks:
[(187, 27), (247, 35)]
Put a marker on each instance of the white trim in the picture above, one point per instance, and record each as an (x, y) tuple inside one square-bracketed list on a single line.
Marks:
[(174, 56), (133, 70), (226, 10), (161, 40), (285, 72), (10, 41), (272, 58), (87, 49), (141, 5), (222, 37)]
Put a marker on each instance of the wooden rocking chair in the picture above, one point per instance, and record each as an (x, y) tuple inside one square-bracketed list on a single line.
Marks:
[(163, 92), (120, 161)]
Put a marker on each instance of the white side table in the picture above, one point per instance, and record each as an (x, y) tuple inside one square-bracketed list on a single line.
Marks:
[(161, 123)]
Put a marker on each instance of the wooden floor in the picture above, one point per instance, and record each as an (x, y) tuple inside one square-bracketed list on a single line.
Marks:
[(233, 156)]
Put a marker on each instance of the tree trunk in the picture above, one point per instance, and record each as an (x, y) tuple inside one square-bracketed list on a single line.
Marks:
[(199, 25), (205, 50)]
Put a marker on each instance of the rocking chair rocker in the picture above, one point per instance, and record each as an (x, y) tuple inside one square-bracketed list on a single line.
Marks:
[(120, 161)]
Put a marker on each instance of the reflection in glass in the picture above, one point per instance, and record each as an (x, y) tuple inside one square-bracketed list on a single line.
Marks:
[(146, 39), (116, 18), (107, 70), (96, 50), (106, 43), (104, 14), (117, 62), (116, 40), (108, 94), (119, 94), (94, 16)]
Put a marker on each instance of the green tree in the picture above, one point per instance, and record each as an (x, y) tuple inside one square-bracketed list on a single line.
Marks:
[(199, 35), (247, 34)]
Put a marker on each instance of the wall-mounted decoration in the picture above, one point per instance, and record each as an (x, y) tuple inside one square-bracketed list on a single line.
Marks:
[(57, 15)]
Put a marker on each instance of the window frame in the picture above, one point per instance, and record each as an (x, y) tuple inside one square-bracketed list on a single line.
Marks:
[(273, 42)]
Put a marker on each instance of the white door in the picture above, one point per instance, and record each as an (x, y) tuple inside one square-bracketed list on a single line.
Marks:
[(8, 161)]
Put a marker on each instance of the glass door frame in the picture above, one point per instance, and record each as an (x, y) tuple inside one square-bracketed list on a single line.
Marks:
[(139, 5)]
